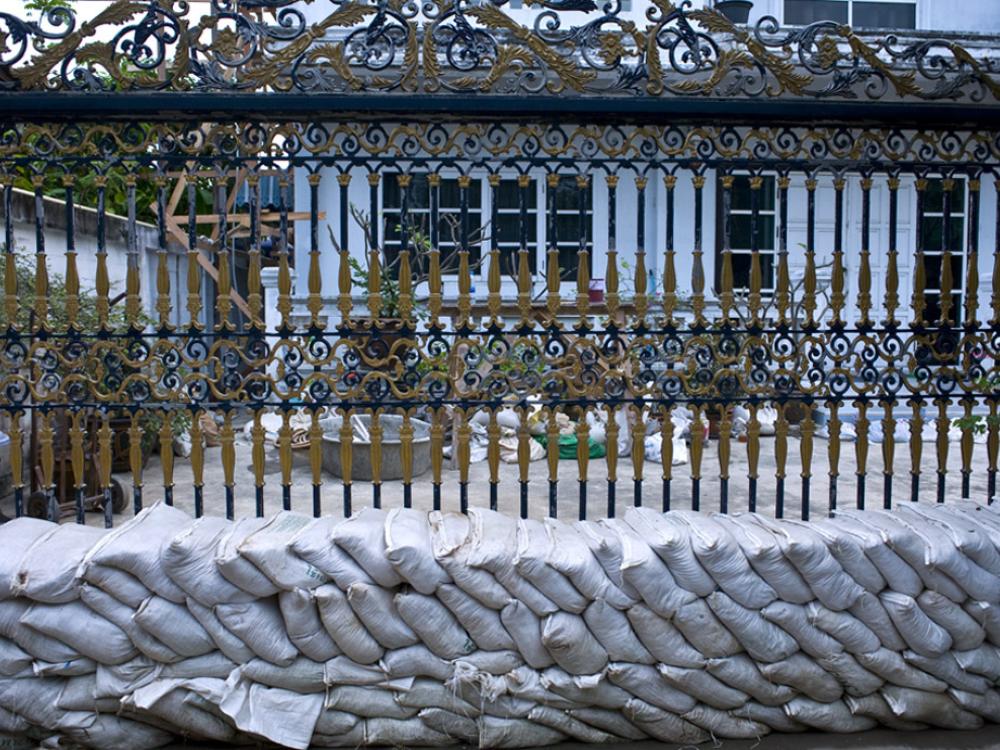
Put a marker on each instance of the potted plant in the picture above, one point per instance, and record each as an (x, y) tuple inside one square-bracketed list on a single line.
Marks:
[(737, 11)]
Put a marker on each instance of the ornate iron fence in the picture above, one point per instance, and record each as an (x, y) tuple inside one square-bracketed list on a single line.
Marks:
[(379, 223)]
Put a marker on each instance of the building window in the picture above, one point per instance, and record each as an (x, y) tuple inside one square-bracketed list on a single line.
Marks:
[(741, 232), (509, 232), (932, 226), (861, 14), (574, 229), (418, 217)]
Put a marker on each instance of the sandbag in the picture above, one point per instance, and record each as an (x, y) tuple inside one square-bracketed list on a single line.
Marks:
[(174, 626), (259, 625), (481, 623), (570, 554), (82, 629), (16, 538), (531, 561), (434, 624), (362, 536), (47, 571), (408, 548), (718, 551), (375, 608), (670, 538), (566, 637), (314, 544), (268, 548), (344, 626), (303, 624), (189, 560), (136, 547), (235, 568)]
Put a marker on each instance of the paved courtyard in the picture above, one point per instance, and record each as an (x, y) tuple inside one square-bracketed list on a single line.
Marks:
[(568, 485)]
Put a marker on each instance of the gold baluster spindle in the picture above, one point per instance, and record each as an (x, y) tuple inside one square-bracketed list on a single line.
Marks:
[(888, 449), (972, 261), (697, 447), (833, 450), (782, 292), (523, 454), (464, 273), (697, 264), (583, 285), (755, 299), (726, 298), (780, 457), (78, 461), (837, 281), (667, 450), (375, 432), (193, 279), (611, 455), (464, 287), (916, 445), (345, 302), (316, 459), (405, 281), (104, 465), (582, 456), (16, 454), (809, 276), (135, 457), (437, 454), (753, 455), (464, 454), (638, 452), (892, 258), (197, 458), (285, 449), (227, 441), (669, 270), (943, 423), (46, 437), (72, 278), (406, 456), (166, 437), (947, 279), (41, 268), (493, 298), (865, 270), (806, 432), (640, 283), (552, 445), (918, 302), (258, 456), (284, 304), (861, 450), (992, 447), (434, 299), (314, 277), (255, 298), (724, 449), (966, 446), (346, 454), (493, 455)]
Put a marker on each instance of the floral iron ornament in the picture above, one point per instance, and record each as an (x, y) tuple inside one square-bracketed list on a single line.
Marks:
[(457, 46)]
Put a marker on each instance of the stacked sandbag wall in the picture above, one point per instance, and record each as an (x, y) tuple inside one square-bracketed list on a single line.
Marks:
[(404, 628)]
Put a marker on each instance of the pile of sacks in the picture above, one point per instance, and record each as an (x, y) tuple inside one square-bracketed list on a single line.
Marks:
[(404, 628)]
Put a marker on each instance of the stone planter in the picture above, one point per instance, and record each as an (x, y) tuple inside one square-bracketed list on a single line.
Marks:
[(737, 11), (361, 452)]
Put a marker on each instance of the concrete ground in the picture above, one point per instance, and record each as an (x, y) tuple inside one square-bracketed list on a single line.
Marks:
[(987, 738), (568, 484)]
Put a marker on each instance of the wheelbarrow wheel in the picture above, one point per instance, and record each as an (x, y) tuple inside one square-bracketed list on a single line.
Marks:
[(38, 504), (117, 496)]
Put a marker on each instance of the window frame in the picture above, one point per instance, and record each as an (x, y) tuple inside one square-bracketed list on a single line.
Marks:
[(959, 210), (766, 290), (538, 215), (850, 14)]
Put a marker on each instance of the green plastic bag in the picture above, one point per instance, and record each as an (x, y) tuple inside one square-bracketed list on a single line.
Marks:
[(567, 446)]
